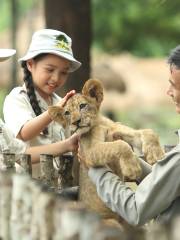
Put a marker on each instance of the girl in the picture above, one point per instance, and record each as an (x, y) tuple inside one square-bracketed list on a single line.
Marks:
[(46, 65)]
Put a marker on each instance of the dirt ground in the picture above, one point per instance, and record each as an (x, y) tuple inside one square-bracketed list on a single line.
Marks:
[(146, 81)]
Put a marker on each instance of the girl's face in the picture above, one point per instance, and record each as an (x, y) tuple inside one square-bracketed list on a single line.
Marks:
[(174, 88), (48, 73)]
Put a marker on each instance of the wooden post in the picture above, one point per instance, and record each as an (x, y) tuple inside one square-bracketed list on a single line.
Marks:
[(67, 220), (5, 204), (21, 212), (46, 224), (47, 170), (25, 162), (63, 165), (7, 162), (36, 190), (73, 221), (42, 226)]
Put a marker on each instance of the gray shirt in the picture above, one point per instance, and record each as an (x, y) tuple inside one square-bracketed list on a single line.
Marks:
[(157, 196)]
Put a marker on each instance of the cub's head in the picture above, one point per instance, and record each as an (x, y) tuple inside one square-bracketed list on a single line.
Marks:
[(81, 110)]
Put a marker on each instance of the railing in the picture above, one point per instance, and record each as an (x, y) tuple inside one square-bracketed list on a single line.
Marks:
[(36, 210)]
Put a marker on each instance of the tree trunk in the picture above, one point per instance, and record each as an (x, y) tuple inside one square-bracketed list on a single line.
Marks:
[(74, 18), (14, 27)]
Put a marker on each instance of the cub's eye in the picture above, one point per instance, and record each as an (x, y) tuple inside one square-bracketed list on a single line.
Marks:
[(82, 105), (67, 113)]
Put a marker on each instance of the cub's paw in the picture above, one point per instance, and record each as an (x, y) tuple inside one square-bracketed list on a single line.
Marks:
[(131, 168), (152, 153), (151, 146)]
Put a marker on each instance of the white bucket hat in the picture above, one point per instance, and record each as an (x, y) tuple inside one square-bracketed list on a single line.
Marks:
[(54, 42), (6, 53)]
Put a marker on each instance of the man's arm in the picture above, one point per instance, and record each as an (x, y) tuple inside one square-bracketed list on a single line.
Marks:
[(152, 196), (146, 169)]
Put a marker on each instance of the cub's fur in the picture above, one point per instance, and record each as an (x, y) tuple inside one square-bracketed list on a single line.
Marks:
[(98, 141)]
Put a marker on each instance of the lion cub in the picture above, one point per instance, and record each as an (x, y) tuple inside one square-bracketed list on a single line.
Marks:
[(81, 115)]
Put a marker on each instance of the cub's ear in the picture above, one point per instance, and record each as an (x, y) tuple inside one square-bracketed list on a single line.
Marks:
[(56, 114), (93, 88)]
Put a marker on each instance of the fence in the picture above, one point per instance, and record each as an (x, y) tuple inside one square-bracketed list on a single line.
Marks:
[(37, 210)]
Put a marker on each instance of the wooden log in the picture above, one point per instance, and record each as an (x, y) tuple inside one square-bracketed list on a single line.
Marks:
[(67, 220), (4, 148), (73, 221), (24, 161), (7, 162), (34, 231), (47, 175), (44, 217), (5, 204), (63, 164), (21, 212)]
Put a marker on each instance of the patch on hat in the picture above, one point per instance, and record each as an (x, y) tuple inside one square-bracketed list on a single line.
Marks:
[(63, 43)]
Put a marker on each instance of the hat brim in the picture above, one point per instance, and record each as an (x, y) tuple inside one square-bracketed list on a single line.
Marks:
[(6, 53), (74, 63)]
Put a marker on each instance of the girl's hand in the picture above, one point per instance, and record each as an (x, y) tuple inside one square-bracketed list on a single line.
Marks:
[(65, 98), (73, 142)]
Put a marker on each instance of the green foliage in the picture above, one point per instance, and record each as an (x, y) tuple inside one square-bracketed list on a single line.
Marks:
[(143, 27), (3, 93), (5, 11), (5, 14)]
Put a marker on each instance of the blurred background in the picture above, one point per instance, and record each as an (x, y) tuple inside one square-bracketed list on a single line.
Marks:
[(123, 43)]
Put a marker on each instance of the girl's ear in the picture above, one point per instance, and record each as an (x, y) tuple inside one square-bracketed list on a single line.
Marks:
[(29, 64), (56, 114)]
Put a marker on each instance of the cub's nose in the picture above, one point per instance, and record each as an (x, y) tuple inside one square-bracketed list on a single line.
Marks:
[(77, 122)]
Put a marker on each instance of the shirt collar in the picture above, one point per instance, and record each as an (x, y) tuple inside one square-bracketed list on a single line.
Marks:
[(41, 101)]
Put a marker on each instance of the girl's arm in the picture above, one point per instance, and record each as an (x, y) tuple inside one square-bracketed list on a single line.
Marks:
[(58, 148), (33, 127)]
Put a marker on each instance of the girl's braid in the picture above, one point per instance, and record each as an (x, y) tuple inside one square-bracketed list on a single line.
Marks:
[(31, 93)]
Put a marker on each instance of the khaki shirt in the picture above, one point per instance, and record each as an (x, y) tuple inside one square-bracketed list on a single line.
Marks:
[(18, 110), (9, 143), (156, 197)]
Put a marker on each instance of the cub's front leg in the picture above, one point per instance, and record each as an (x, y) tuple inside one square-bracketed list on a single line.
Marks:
[(145, 140), (151, 146), (119, 153)]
